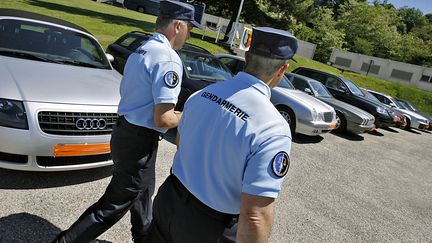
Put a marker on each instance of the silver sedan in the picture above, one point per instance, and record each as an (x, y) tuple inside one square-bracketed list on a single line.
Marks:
[(58, 96), (304, 113)]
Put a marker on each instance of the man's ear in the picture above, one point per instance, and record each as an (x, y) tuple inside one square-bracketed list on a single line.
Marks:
[(282, 70), (177, 26)]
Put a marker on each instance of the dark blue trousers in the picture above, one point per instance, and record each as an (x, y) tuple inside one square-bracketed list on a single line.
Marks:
[(132, 185)]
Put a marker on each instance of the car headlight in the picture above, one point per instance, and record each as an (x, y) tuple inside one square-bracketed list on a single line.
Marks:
[(381, 110), (12, 114), (317, 116)]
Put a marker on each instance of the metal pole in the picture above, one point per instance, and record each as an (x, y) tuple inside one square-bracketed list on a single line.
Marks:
[(370, 64), (236, 21)]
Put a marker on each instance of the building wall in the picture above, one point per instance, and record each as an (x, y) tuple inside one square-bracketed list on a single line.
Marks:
[(404, 73)]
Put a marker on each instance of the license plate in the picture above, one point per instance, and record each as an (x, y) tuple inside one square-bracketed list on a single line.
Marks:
[(63, 150)]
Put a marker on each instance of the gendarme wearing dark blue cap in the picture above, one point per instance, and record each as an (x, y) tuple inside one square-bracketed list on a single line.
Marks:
[(178, 10), (273, 43)]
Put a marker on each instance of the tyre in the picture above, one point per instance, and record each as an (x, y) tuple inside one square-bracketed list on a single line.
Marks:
[(289, 116), (341, 123), (408, 125)]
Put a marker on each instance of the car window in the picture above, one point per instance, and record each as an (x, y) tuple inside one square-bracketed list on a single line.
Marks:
[(314, 75), (42, 42), (126, 41), (203, 66), (353, 88), (320, 90), (231, 63), (334, 83), (299, 83), (286, 83)]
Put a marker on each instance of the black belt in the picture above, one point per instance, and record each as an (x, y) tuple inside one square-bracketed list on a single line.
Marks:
[(184, 193), (121, 121)]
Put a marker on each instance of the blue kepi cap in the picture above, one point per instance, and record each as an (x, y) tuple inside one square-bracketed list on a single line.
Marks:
[(178, 10), (274, 43)]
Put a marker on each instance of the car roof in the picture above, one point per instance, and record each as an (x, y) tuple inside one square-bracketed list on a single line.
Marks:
[(318, 71), (34, 16), (186, 47), (303, 77)]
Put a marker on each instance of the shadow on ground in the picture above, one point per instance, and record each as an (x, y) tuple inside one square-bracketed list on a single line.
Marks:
[(10, 179), (376, 133), (389, 129), (108, 18), (303, 139), (25, 227), (349, 136), (414, 131)]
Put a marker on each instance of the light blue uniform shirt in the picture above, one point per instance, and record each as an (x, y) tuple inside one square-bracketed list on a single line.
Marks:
[(232, 140), (152, 75)]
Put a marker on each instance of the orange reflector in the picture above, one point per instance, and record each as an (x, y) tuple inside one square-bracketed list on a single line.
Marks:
[(333, 126), (81, 149)]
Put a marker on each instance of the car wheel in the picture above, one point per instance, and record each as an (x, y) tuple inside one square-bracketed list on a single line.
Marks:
[(140, 9), (289, 116), (407, 127), (341, 123)]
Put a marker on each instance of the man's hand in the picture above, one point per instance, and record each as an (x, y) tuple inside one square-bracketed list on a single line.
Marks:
[(256, 219), (164, 116)]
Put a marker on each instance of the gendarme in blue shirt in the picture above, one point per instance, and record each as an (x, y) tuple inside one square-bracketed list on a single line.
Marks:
[(152, 75), (232, 140)]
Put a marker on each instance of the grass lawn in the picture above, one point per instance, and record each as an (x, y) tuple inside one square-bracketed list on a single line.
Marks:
[(108, 23)]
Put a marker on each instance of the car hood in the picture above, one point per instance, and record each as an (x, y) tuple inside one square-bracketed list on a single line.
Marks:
[(300, 97), (412, 113), (36, 81), (340, 105)]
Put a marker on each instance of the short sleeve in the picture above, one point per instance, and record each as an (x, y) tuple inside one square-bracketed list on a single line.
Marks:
[(267, 166), (166, 78)]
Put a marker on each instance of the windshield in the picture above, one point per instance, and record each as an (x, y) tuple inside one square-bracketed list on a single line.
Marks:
[(395, 102), (319, 89), (204, 66), (353, 88), (285, 83), (407, 105), (36, 41)]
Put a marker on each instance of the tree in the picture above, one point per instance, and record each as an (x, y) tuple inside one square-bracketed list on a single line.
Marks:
[(363, 24), (410, 18), (327, 36)]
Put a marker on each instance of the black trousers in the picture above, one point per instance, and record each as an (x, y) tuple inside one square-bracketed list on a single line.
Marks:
[(132, 185), (179, 217)]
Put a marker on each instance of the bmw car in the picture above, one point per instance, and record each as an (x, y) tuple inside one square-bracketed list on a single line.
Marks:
[(58, 95)]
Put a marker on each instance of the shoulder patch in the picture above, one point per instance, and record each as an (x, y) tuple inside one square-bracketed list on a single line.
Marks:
[(171, 79), (280, 164)]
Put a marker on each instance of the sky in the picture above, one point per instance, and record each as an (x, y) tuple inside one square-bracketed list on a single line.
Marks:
[(424, 5)]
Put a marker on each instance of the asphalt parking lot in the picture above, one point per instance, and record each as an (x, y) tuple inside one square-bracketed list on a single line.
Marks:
[(350, 188)]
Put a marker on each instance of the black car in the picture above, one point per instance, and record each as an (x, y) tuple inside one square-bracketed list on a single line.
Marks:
[(200, 67), (346, 91)]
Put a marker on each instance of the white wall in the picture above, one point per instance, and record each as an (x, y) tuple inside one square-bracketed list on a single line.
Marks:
[(393, 71)]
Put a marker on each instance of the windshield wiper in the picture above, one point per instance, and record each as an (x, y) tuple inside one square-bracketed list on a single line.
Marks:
[(26, 55), (76, 63)]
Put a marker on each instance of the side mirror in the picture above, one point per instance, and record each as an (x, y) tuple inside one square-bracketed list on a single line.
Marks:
[(308, 91), (393, 105), (109, 57)]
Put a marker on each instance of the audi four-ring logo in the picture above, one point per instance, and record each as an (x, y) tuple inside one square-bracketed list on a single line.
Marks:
[(90, 124)]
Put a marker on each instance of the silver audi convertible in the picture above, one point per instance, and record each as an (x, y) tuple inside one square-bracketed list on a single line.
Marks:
[(58, 95)]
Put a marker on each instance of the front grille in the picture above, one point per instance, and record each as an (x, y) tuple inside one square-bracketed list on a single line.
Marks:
[(328, 116), (71, 160), (65, 123), (15, 158)]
